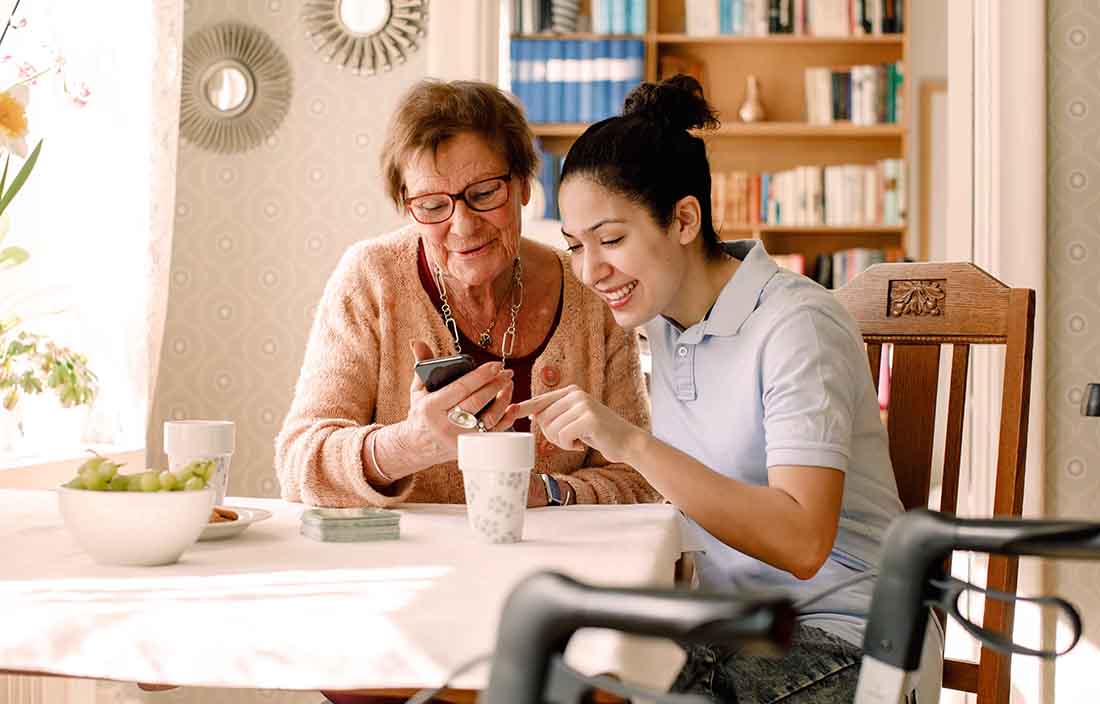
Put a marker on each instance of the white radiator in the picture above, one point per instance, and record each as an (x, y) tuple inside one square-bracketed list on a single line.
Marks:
[(20, 689)]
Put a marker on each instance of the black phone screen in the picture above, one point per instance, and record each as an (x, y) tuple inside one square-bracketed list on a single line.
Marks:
[(437, 373)]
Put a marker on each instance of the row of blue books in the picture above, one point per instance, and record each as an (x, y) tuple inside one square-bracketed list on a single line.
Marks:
[(575, 80)]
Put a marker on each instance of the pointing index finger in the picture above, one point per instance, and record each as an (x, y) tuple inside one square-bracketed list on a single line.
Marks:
[(536, 404)]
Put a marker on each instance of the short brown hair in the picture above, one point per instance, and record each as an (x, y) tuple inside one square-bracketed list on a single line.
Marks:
[(434, 111)]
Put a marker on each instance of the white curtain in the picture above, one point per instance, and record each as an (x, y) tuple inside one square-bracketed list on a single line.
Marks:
[(168, 33)]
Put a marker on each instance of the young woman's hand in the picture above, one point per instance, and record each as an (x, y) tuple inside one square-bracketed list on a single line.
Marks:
[(571, 419)]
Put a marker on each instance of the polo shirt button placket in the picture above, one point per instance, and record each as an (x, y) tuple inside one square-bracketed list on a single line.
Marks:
[(684, 373)]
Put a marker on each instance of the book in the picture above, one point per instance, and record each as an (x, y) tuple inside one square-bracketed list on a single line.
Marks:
[(792, 262), (555, 80), (701, 18)]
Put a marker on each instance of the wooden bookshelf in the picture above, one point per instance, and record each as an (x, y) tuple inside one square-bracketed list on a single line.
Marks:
[(825, 230), (785, 140), (844, 130), (786, 39), (577, 35), (810, 241)]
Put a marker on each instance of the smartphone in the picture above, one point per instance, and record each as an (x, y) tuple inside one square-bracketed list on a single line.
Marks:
[(437, 373)]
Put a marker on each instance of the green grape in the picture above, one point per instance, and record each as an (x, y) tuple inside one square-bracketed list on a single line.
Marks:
[(194, 484), (149, 482), (168, 481), (107, 470), (196, 468), (94, 482), (92, 464), (101, 474), (97, 474)]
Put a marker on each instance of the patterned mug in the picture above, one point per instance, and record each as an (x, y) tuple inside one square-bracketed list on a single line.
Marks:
[(496, 473)]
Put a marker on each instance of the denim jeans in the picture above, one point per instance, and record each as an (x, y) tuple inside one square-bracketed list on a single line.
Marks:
[(820, 668)]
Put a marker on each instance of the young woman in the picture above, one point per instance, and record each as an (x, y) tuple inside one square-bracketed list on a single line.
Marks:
[(766, 429)]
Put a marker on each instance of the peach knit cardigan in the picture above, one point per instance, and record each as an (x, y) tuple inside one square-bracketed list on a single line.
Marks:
[(358, 369)]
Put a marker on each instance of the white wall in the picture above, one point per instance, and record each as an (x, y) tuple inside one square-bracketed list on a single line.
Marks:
[(927, 59)]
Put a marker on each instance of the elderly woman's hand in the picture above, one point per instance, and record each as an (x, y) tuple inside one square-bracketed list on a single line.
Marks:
[(429, 432)]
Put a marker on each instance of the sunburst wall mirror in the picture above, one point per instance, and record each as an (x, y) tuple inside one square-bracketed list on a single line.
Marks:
[(236, 87), (365, 36)]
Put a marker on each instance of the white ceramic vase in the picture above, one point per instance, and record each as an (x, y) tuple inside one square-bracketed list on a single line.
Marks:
[(752, 110)]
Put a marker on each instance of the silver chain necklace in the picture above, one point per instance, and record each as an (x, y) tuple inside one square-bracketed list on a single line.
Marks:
[(508, 341), (485, 338)]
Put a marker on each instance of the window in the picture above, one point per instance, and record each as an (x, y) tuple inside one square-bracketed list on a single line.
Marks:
[(86, 213)]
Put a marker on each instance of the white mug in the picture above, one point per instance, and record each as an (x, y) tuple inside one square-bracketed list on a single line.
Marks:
[(188, 440)]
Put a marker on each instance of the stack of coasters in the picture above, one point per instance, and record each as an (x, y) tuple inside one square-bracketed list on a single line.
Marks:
[(350, 525)]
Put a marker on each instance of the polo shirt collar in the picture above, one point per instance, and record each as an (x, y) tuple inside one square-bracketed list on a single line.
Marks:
[(739, 296)]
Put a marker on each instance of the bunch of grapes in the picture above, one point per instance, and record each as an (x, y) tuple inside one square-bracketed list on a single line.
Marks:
[(101, 474)]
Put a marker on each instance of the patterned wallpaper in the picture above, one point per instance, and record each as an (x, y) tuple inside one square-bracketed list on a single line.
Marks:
[(1073, 311), (256, 236)]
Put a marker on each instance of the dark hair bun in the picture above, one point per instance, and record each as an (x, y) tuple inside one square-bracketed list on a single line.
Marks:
[(676, 102)]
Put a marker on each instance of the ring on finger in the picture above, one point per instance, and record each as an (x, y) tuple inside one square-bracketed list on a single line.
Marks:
[(463, 418)]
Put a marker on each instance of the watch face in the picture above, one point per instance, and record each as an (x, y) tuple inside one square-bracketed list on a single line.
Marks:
[(553, 490)]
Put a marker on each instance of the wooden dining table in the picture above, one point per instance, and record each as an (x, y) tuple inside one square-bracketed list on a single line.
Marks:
[(270, 608)]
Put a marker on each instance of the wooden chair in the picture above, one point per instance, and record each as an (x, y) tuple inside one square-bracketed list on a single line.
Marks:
[(917, 308)]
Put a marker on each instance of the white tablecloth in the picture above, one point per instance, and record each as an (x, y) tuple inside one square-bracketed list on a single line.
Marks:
[(272, 609)]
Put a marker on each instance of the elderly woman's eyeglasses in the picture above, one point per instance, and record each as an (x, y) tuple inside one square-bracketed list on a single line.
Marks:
[(483, 196)]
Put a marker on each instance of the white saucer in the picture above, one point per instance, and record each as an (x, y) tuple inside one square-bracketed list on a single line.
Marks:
[(228, 529)]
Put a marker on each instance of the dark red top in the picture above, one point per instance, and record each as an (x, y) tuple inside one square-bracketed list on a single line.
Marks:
[(521, 366)]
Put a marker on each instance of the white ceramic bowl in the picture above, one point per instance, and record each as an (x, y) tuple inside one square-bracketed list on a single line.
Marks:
[(135, 528)]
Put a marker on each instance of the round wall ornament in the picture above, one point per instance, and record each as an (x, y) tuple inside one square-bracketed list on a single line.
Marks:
[(365, 36), (236, 87)]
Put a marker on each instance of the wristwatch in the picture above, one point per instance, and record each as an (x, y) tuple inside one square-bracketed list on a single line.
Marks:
[(554, 495)]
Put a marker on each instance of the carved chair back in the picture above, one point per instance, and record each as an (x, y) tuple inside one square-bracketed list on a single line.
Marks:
[(917, 309)]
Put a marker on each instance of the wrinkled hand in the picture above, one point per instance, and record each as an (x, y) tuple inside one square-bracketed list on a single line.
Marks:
[(429, 432), (571, 419)]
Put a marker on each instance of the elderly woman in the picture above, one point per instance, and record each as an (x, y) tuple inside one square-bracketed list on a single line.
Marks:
[(362, 429)]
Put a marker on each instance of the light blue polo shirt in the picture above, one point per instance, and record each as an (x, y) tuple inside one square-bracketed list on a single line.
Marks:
[(777, 374)]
